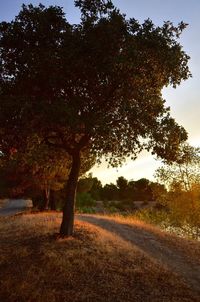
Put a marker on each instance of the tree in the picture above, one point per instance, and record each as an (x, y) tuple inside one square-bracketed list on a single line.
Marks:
[(122, 185), (110, 192), (157, 191), (96, 189), (183, 181), (91, 185), (50, 167), (95, 85), (85, 184), (184, 173), (143, 190)]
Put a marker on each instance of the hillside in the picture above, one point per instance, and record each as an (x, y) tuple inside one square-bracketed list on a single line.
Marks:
[(107, 260)]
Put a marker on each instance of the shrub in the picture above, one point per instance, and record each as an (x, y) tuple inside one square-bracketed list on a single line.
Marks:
[(84, 199), (86, 210), (180, 214), (154, 216)]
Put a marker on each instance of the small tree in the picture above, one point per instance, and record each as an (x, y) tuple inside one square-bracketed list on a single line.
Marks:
[(183, 181), (95, 85), (184, 172)]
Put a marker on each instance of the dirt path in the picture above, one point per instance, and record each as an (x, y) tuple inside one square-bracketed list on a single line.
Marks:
[(13, 206), (162, 248)]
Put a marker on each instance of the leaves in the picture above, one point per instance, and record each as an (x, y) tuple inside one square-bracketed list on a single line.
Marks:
[(94, 85)]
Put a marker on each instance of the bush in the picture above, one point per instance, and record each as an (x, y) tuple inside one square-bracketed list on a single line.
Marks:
[(84, 199), (86, 210), (180, 214), (184, 208), (154, 216)]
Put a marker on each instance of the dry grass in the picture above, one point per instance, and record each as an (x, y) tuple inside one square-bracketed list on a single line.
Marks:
[(190, 248), (93, 266)]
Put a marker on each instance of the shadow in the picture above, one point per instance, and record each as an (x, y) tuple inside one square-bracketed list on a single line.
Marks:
[(151, 245)]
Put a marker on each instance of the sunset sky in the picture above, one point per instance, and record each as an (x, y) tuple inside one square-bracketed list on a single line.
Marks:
[(184, 101)]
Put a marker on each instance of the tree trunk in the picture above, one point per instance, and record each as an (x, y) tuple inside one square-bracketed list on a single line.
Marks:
[(52, 200), (47, 197), (67, 224)]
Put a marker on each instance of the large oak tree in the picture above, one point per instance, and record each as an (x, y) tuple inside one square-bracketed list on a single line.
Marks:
[(94, 85)]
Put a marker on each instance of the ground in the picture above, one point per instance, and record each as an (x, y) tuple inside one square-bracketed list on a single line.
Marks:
[(108, 259)]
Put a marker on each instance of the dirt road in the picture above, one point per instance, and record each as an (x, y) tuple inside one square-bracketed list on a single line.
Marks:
[(14, 206), (180, 255)]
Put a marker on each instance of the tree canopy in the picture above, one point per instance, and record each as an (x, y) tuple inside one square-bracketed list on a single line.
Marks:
[(94, 85)]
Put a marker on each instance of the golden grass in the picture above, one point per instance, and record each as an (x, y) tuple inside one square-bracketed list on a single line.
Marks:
[(93, 266), (189, 247)]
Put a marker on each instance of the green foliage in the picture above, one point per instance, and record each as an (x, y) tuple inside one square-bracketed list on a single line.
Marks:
[(78, 91), (86, 210), (96, 189), (122, 185), (140, 190), (85, 185), (110, 192), (90, 185), (84, 200)]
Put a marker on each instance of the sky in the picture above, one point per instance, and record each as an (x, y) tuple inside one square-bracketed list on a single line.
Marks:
[(184, 101)]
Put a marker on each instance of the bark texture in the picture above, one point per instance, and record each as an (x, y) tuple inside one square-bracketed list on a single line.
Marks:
[(67, 224)]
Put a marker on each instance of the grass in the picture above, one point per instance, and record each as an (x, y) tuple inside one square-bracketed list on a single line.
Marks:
[(163, 220), (93, 266), (190, 248)]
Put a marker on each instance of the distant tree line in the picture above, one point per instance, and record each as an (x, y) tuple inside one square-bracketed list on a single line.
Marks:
[(42, 178), (140, 190)]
